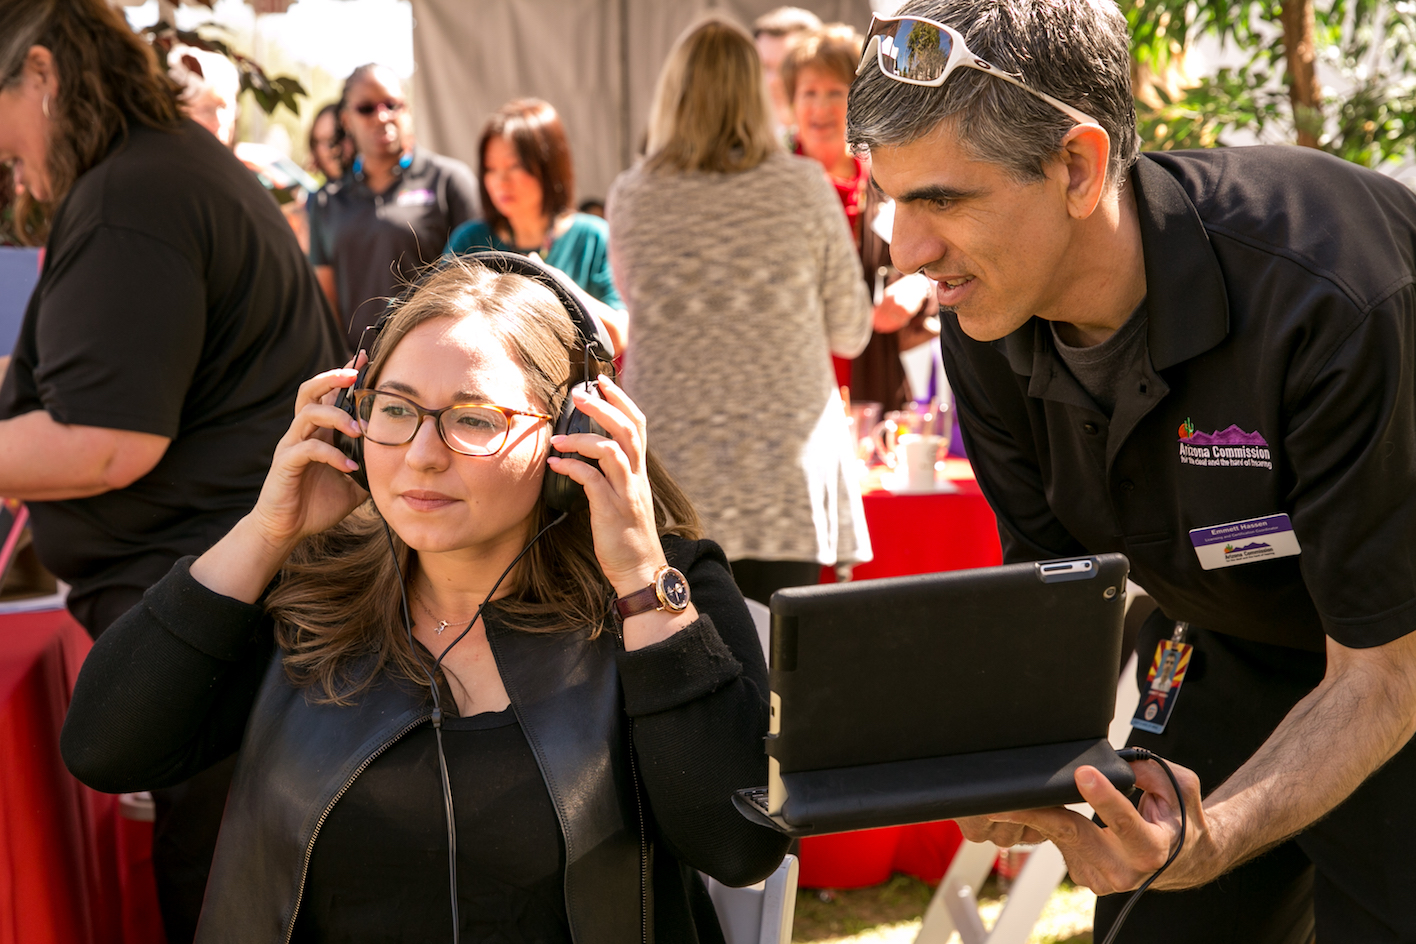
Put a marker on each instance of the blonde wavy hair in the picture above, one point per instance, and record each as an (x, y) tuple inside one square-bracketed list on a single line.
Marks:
[(710, 110), (337, 604)]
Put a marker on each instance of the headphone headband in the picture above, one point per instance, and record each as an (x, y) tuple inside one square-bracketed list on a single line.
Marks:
[(587, 323)]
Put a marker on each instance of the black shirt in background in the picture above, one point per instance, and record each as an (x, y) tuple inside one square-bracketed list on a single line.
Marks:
[(379, 869), (174, 300), (376, 243)]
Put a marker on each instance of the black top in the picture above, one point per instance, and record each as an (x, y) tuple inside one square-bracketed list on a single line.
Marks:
[(1280, 301), (174, 300), (377, 242), (697, 702), (385, 844)]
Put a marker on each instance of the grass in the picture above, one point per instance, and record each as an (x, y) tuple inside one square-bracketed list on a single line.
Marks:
[(891, 913)]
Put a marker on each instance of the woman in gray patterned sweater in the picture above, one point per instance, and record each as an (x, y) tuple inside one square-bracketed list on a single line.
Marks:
[(741, 278)]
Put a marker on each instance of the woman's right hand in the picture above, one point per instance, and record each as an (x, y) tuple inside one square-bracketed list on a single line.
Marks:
[(308, 489)]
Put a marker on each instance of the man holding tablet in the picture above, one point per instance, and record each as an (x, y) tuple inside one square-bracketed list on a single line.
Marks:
[(1206, 361)]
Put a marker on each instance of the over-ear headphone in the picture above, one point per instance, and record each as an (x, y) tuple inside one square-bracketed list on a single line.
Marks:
[(560, 491)]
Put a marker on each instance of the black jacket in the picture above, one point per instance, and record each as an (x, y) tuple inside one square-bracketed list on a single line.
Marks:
[(636, 822)]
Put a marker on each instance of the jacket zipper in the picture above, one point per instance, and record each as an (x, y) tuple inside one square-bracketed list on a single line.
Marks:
[(643, 844), (617, 629), (310, 848)]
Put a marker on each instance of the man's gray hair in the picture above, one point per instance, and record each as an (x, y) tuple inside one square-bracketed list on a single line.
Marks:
[(1077, 51)]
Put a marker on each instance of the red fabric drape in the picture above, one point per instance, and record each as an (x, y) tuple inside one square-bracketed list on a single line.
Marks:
[(910, 534), (71, 870)]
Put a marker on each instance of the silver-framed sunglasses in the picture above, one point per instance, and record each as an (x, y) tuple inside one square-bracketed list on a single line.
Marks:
[(918, 51)]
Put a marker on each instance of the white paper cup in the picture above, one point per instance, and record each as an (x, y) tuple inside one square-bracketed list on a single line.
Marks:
[(918, 455)]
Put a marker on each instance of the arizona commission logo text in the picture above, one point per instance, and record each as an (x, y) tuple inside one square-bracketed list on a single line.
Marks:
[(1228, 447)]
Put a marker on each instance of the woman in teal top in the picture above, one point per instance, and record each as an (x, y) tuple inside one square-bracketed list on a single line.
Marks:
[(528, 190)]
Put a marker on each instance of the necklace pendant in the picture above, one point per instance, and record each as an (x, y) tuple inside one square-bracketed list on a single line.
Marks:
[(442, 625)]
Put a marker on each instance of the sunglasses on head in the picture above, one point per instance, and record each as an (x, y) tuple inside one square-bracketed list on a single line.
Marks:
[(917, 51), (368, 108)]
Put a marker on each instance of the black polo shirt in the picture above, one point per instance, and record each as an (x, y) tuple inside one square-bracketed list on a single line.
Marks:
[(1280, 301), (174, 300), (377, 242)]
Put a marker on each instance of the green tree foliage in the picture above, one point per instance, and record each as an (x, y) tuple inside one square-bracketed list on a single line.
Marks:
[(1365, 51), (269, 93)]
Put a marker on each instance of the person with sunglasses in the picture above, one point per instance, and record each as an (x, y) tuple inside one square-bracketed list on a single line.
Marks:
[(580, 692), (391, 213), (1205, 360)]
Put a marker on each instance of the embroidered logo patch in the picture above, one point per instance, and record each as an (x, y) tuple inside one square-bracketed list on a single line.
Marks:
[(1226, 447)]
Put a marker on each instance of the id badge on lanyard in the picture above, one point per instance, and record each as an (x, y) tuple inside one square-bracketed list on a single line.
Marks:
[(1163, 681)]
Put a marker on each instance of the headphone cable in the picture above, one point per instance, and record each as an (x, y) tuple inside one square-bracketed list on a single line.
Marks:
[(1140, 753), (437, 696)]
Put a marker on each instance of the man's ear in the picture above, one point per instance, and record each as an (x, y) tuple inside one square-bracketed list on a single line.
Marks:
[(1085, 153)]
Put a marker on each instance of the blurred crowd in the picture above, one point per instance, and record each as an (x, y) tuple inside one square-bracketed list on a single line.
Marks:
[(388, 208), (741, 269)]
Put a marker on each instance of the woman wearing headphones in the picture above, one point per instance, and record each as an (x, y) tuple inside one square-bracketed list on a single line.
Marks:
[(586, 762)]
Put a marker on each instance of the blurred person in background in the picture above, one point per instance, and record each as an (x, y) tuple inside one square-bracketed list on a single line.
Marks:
[(211, 87), (210, 96), (773, 33), (741, 280), (526, 183), (162, 348), (391, 214), (330, 150), (816, 75)]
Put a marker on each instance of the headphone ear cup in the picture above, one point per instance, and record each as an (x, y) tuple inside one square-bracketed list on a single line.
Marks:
[(351, 446), (560, 491), (354, 449)]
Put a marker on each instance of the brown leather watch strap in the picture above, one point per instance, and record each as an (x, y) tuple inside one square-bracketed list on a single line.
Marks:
[(641, 601)]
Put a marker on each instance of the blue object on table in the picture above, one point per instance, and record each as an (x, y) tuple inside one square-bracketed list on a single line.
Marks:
[(19, 271)]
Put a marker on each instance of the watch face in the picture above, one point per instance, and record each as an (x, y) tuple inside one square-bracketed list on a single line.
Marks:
[(673, 590)]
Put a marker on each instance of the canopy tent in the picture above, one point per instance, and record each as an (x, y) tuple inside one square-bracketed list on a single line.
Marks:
[(596, 61)]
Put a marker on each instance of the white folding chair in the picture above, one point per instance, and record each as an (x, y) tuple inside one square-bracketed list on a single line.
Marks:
[(761, 913)]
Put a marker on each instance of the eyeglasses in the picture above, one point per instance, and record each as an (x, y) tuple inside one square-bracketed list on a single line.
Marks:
[(368, 108), (917, 51), (472, 429)]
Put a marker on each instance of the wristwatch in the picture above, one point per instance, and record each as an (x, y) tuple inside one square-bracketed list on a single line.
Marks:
[(669, 591)]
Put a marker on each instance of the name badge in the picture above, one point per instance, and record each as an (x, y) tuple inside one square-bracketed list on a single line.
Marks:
[(1163, 681), (1243, 542), (417, 198)]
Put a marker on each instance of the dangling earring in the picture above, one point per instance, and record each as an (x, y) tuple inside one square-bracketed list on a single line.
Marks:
[(44, 105)]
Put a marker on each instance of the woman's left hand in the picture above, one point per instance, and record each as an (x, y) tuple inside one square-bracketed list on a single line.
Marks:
[(621, 503)]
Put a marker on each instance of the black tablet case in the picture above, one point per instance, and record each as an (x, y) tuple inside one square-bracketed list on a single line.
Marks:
[(921, 698)]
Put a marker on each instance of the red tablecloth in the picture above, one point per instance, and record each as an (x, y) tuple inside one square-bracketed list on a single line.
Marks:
[(911, 534), (71, 870)]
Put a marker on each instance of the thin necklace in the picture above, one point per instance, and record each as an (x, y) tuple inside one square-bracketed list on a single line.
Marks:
[(442, 624)]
